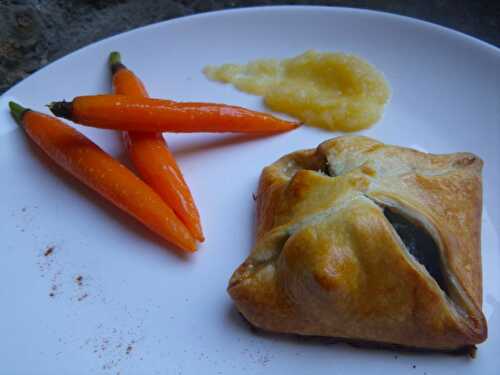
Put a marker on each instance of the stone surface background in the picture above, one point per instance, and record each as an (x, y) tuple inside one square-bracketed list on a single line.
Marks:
[(36, 32)]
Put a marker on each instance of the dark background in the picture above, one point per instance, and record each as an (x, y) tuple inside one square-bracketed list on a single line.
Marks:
[(34, 33)]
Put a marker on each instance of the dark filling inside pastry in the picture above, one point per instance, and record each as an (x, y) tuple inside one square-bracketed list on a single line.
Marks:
[(420, 244), (325, 169)]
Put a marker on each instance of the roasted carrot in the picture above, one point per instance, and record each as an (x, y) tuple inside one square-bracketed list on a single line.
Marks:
[(82, 158), (151, 156), (133, 113)]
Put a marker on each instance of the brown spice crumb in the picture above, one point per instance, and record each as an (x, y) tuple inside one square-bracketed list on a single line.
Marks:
[(49, 251), (82, 297), (53, 290), (471, 351), (254, 196), (414, 366), (129, 349), (78, 280)]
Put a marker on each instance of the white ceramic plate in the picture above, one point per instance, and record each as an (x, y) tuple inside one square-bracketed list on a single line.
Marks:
[(142, 309)]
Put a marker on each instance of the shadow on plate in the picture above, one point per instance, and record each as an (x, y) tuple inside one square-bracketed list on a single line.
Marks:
[(220, 142), (244, 327)]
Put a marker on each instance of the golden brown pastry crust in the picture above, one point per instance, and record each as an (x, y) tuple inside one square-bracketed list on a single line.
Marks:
[(327, 261)]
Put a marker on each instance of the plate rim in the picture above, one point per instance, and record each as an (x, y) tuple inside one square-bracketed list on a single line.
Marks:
[(273, 8)]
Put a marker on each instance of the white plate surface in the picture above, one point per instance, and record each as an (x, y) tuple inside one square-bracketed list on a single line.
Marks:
[(142, 309)]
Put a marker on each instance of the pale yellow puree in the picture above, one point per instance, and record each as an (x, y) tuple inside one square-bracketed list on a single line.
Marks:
[(334, 91)]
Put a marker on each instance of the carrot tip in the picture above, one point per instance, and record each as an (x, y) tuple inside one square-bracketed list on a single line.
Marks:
[(191, 248), (17, 111)]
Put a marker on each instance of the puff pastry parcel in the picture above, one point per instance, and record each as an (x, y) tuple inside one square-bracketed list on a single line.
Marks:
[(364, 241)]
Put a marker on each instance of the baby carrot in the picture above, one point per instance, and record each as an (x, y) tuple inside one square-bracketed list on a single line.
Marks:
[(133, 113), (79, 156), (152, 157)]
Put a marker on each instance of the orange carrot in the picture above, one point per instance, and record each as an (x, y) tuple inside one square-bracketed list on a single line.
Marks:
[(151, 156), (79, 156), (133, 113)]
